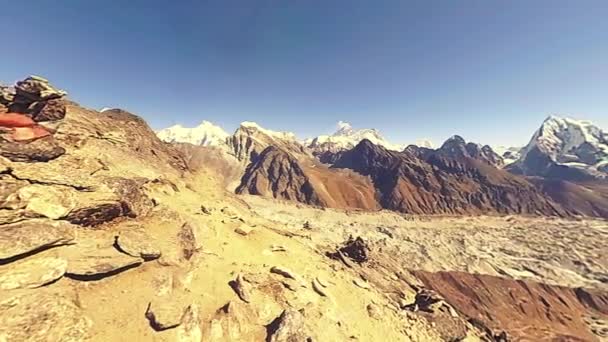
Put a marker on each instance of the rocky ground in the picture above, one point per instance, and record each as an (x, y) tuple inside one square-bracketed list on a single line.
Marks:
[(107, 234)]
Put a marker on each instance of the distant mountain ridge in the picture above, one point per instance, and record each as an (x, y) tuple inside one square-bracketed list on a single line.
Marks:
[(205, 134), (345, 138)]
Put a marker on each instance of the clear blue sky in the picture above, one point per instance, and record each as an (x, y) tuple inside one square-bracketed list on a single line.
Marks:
[(490, 71)]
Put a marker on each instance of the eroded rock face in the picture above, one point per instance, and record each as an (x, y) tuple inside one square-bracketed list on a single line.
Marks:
[(42, 316)]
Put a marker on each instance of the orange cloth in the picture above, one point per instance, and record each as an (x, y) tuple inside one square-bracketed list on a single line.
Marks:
[(16, 120)]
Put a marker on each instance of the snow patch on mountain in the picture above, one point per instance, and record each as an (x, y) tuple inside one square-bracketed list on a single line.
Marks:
[(205, 134)]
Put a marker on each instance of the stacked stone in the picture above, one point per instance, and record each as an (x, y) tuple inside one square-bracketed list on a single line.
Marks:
[(27, 113)]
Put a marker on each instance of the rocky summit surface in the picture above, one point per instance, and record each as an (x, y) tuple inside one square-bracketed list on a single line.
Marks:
[(109, 234)]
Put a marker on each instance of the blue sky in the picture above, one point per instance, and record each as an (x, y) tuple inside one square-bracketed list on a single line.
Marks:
[(490, 71)]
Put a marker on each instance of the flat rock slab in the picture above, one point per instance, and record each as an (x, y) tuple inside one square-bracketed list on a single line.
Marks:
[(21, 239), (138, 243), (42, 316), (31, 273), (101, 263)]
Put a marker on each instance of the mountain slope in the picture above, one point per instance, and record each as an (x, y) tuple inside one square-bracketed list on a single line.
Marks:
[(566, 149)]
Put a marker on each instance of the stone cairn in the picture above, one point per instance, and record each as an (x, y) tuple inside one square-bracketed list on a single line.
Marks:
[(29, 113)]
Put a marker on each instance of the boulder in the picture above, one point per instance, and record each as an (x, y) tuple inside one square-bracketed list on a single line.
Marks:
[(288, 327), (27, 237), (31, 273), (137, 243), (42, 316)]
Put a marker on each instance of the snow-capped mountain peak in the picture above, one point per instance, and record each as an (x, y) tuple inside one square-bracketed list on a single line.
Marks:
[(205, 134), (576, 144), (346, 137), (344, 128), (559, 136), (270, 133)]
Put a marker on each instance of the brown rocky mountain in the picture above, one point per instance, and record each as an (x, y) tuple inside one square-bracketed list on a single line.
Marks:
[(456, 147), (447, 182), (276, 173)]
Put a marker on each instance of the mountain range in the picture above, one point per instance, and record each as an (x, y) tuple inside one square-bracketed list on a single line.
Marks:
[(108, 233), (361, 169)]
